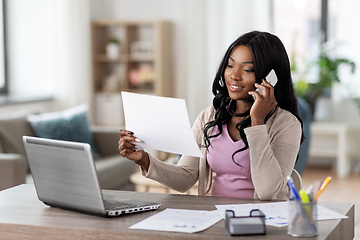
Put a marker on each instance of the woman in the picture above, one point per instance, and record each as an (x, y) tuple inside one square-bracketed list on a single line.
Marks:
[(249, 140)]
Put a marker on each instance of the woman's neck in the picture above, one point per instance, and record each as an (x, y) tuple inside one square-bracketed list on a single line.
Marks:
[(242, 106)]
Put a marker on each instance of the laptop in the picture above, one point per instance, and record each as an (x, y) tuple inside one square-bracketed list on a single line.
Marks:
[(65, 177)]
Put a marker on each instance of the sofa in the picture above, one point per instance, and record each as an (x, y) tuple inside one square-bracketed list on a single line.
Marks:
[(113, 170)]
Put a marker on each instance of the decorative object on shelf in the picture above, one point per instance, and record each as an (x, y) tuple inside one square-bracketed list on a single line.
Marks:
[(142, 76), (328, 67), (112, 83), (113, 48), (142, 49)]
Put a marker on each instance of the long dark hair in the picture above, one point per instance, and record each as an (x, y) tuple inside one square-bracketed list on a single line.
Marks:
[(268, 53)]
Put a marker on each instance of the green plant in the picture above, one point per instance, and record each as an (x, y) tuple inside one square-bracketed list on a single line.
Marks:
[(113, 40), (301, 88), (328, 68), (328, 73)]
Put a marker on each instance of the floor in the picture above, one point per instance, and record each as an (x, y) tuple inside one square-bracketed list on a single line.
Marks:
[(339, 190)]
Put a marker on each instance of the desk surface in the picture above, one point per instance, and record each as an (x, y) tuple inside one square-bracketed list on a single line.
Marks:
[(23, 216)]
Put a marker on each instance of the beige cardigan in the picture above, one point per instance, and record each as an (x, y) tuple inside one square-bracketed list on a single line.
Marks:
[(273, 150)]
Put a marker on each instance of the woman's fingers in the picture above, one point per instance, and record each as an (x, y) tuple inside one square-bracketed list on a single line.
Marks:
[(265, 101), (123, 144), (132, 154), (127, 136), (264, 90), (124, 132), (254, 94), (268, 86), (127, 145)]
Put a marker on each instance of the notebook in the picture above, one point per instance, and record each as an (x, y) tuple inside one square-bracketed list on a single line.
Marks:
[(65, 177)]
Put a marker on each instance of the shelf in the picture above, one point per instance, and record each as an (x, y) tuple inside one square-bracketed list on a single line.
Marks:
[(123, 58), (133, 90), (144, 58)]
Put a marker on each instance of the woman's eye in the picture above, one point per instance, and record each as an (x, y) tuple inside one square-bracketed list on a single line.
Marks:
[(230, 66), (249, 70)]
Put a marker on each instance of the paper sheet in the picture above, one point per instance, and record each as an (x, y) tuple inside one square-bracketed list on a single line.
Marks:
[(276, 214), (161, 123), (179, 220)]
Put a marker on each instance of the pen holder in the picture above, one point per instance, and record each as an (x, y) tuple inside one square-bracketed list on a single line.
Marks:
[(302, 219)]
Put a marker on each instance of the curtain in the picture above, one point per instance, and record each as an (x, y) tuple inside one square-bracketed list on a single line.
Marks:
[(212, 25)]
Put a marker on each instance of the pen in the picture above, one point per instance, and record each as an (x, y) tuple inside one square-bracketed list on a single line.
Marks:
[(305, 200), (323, 186), (292, 188), (304, 197), (317, 184), (309, 192)]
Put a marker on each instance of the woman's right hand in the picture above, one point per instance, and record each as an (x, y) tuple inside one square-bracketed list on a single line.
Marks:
[(127, 149)]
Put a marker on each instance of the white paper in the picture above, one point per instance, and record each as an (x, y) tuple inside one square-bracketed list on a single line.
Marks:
[(161, 123), (180, 220), (276, 214), (327, 214)]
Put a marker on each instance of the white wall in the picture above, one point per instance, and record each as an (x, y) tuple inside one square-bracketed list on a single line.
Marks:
[(346, 37)]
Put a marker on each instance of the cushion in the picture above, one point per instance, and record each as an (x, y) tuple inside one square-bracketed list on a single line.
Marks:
[(11, 132), (69, 125)]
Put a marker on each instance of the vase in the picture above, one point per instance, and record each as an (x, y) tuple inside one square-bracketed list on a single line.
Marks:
[(112, 50)]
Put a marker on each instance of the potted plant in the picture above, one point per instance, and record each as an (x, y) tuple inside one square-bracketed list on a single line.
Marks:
[(113, 48), (328, 74)]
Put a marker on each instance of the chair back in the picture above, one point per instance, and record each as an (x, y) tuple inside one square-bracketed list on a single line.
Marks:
[(296, 177)]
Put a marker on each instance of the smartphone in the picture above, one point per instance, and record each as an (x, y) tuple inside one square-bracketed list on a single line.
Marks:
[(271, 78)]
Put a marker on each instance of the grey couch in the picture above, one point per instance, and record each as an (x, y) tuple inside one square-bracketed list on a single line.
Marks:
[(113, 170)]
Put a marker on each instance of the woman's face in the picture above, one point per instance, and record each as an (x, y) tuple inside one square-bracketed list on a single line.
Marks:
[(239, 73)]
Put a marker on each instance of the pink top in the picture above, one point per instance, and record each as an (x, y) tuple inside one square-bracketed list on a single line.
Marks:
[(231, 180)]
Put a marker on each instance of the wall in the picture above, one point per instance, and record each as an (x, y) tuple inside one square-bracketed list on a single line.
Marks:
[(346, 39)]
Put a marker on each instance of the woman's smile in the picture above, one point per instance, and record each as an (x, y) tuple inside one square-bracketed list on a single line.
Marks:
[(235, 87)]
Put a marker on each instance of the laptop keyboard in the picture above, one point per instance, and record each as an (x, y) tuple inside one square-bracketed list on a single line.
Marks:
[(113, 205)]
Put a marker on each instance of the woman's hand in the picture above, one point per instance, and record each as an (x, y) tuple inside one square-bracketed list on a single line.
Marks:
[(128, 149), (263, 104)]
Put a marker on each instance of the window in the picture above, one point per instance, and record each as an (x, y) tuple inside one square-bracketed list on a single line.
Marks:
[(297, 23), (3, 79)]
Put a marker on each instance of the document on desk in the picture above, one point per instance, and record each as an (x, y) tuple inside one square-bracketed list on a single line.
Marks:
[(161, 123), (180, 220), (276, 213)]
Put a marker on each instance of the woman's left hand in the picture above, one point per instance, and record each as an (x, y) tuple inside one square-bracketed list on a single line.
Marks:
[(263, 104)]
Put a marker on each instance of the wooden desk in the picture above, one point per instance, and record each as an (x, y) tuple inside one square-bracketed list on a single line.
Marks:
[(23, 216)]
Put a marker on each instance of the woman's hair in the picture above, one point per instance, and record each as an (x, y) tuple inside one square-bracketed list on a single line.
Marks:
[(268, 53)]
